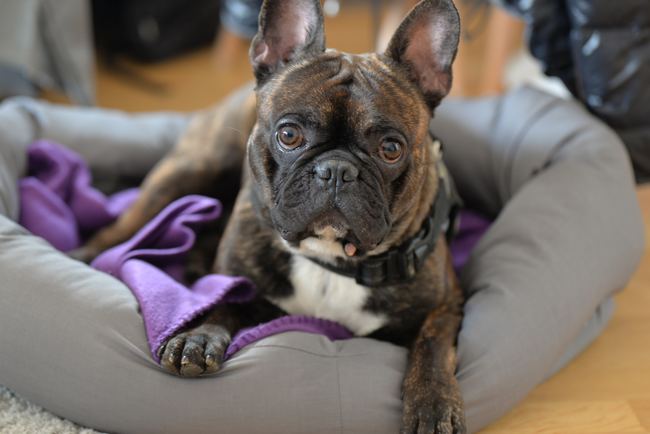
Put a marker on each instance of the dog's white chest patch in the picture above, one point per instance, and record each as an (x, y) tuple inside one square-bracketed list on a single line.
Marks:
[(321, 293)]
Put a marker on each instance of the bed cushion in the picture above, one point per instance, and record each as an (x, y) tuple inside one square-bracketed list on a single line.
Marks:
[(539, 282)]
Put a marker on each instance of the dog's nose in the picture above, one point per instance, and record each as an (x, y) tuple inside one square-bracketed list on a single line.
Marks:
[(338, 171)]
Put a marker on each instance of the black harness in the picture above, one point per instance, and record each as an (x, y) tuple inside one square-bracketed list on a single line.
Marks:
[(401, 264)]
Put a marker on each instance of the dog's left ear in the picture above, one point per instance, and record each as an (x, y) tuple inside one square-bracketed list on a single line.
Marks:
[(425, 44), (288, 30)]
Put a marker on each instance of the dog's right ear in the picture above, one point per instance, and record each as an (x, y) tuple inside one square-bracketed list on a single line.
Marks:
[(425, 44), (288, 30)]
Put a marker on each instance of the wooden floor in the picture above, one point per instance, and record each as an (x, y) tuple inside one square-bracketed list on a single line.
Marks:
[(605, 390)]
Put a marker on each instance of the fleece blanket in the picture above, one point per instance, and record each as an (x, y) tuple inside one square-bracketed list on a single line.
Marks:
[(59, 204)]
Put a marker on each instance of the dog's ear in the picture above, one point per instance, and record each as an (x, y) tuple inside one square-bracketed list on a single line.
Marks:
[(288, 30), (425, 44)]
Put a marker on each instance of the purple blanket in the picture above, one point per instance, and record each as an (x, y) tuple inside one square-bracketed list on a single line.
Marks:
[(59, 204)]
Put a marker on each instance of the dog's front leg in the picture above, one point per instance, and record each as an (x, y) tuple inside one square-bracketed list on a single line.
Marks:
[(432, 401), (200, 349)]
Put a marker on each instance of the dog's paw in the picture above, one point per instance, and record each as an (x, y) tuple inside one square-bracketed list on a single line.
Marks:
[(431, 414), (195, 352)]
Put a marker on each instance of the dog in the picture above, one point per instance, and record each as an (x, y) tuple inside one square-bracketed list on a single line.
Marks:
[(341, 197)]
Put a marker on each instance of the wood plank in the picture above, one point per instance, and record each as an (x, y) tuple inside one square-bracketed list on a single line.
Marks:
[(641, 408), (570, 417)]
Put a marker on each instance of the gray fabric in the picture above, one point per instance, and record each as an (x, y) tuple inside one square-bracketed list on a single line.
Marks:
[(110, 140), (567, 236), (50, 41)]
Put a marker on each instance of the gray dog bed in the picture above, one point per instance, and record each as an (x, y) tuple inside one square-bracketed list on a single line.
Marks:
[(567, 235)]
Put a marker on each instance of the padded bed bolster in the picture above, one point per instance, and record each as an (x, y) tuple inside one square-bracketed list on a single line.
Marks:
[(567, 235)]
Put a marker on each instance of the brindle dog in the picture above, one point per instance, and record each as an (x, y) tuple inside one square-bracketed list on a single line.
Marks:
[(336, 166)]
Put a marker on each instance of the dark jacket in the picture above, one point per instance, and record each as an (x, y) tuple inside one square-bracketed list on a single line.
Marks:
[(601, 51)]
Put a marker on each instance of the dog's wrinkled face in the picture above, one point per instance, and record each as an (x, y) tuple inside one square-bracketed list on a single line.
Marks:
[(340, 154)]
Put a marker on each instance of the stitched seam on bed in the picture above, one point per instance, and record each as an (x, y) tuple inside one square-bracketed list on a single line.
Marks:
[(495, 121), (519, 137), (553, 155), (284, 347), (338, 383)]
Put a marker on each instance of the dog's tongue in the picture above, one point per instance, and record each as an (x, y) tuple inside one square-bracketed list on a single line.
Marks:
[(350, 249)]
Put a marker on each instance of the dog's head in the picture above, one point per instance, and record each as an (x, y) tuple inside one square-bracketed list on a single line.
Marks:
[(341, 158)]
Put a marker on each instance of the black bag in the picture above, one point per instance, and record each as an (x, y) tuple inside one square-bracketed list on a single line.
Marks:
[(153, 30)]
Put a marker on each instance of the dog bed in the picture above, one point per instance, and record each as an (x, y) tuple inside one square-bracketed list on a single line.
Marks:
[(59, 204), (567, 234)]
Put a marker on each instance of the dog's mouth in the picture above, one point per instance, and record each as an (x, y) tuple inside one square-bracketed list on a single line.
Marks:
[(328, 249), (330, 237), (350, 230)]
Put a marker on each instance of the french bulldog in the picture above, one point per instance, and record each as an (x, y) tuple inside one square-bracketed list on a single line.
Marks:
[(338, 197)]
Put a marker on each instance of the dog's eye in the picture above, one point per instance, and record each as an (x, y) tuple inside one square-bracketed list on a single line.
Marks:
[(390, 151), (289, 136)]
